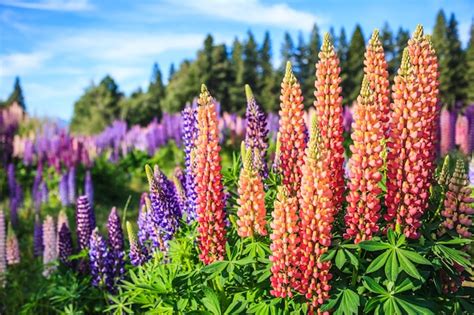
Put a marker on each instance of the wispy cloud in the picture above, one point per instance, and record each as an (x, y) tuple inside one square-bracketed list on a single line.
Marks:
[(21, 63), (50, 5), (254, 12)]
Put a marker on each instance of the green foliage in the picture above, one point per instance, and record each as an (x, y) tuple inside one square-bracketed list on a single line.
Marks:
[(355, 66), (16, 95), (470, 67)]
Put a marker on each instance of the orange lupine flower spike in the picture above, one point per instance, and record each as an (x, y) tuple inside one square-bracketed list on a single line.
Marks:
[(376, 71), (405, 176), (292, 132), (284, 246), (316, 218), (251, 201), (365, 164), (329, 111), (210, 194)]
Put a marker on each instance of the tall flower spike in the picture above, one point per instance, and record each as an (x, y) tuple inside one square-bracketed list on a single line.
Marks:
[(50, 245), (406, 189), (71, 182), (38, 237), (376, 72), (115, 232), (143, 219), (89, 187), (13, 248), (84, 222), (446, 132), (3, 253), (65, 247), (329, 112), (316, 218), (62, 219), (100, 262), (165, 211), (210, 190), (292, 132), (284, 246), (138, 254), (256, 133), (458, 209), (180, 193), (366, 162), (190, 133), (251, 201)]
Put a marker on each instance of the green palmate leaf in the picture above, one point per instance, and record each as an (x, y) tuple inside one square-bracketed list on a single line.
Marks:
[(378, 262), (264, 276), (390, 307), (373, 246), (406, 285), (373, 286), (414, 257), (391, 267), (211, 301), (454, 255), (413, 307), (346, 302), (329, 255), (215, 268), (392, 238), (340, 259), (456, 241), (353, 258), (408, 267)]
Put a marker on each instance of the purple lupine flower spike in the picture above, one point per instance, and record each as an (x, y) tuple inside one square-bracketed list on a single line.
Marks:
[(89, 187), (165, 208), (3, 253), (65, 247), (36, 191), (62, 219), (63, 190), (138, 254), (100, 261), (116, 245), (15, 194), (84, 222), (38, 237), (142, 221), (50, 253), (189, 132), (71, 185), (180, 193), (256, 134), (12, 247)]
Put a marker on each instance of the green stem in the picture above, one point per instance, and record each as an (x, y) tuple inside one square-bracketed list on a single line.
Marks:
[(355, 270)]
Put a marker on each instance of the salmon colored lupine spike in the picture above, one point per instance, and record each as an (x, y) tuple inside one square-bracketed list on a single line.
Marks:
[(376, 71), (365, 164), (407, 145), (209, 188), (284, 246), (328, 106), (292, 132), (251, 212), (316, 218)]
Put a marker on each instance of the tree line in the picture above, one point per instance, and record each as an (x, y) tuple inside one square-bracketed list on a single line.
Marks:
[(225, 70)]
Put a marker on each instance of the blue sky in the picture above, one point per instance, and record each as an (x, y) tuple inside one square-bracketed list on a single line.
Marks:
[(58, 47)]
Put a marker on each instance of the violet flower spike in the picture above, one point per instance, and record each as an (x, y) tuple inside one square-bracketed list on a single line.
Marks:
[(50, 253), (116, 245), (65, 247), (38, 237), (100, 262)]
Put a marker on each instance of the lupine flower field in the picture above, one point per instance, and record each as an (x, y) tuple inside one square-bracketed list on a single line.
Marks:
[(328, 210)]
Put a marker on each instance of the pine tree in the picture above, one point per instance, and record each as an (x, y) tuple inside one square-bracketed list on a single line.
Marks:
[(171, 72), (287, 52), (440, 44), (456, 64), (313, 51), (401, 41), (388, 44), (250, 64), (355, 65), (267, 83), (17, 95), (182, 87), (237, 74), (470, 67), (156, 90), (220, 76), (300, 67), (342, 50)]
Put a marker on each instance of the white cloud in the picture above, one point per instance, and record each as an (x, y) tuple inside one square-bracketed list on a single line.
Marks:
[(21, 63), (50, 5), (252, 12)]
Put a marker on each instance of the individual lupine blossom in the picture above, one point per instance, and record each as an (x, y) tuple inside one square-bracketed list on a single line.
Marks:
[(38, 237), (316, 218), (63, 190), (3, 253), (89, 187), (251, 211), (292, 132), (209, 188), (256, 133), (165, 212), (425, 69), (329, 112), (12, 247), (285, 254), (101, 261), (71, 185), (65, 247), (50, 252), (405, 176), (115, 234), (446, 132), (138, 254), (190, 134), (376, 71), (366, 162), (462, 134), (458, 209), (84, 222)]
